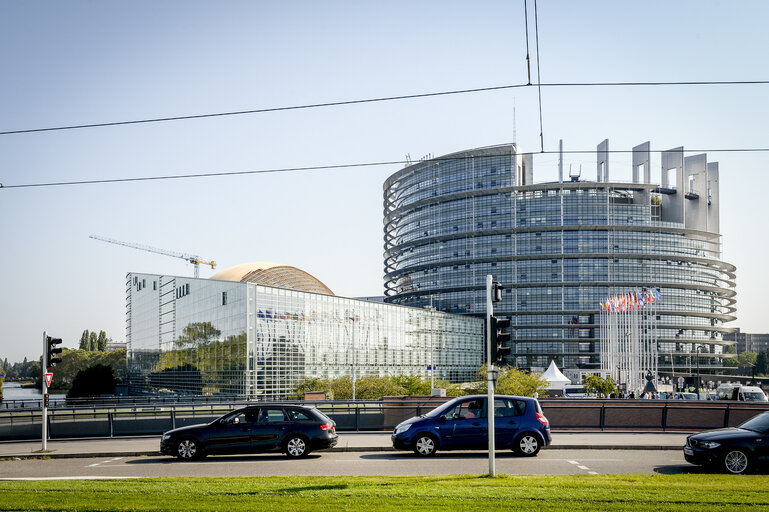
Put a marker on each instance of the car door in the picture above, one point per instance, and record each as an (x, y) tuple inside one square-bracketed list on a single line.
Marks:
[(231, 434), (268, 432), (507, 420), (465, 425)]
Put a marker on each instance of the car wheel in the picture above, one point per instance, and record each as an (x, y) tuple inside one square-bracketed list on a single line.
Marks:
[(188, 449), (296, 447), (425, 445), (736, 462), (527, 445)]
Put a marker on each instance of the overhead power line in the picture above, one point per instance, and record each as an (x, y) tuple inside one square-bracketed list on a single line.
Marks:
[(375, 100), (352, 166)]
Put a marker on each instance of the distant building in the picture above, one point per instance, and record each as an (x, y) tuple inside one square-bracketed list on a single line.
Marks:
[(257, 330), (749, 342), (114, 345), (561, 248)]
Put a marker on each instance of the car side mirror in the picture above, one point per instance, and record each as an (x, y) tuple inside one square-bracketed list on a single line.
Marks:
[(441, 419)]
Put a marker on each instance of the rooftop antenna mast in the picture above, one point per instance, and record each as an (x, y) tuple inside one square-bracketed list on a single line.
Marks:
[(195, 260)]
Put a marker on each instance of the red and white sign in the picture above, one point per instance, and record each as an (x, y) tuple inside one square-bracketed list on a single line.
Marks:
[(48, 379)]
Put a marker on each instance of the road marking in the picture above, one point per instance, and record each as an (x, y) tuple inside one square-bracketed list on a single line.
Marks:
[(583, 467), (573, 462), (592, 473), (104, 462), (71, 478)]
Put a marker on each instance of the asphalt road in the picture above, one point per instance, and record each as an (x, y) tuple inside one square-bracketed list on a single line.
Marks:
[(548, 462)]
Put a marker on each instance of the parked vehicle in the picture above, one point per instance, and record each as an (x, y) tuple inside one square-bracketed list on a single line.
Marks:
[(577, 391), (741, 393), (462, 424), (734, 450), (293, 429)]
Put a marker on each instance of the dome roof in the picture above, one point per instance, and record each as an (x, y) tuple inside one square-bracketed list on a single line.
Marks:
[(273, 274)]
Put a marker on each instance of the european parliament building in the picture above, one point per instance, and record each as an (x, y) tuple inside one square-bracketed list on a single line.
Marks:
[(561, 248), (256, 330)]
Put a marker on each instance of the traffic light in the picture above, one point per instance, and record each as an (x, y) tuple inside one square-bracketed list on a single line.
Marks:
[(496, 295), (500, 347), (53, 351)]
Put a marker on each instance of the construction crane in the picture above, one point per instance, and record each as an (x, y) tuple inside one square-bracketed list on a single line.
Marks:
[(195, 260)]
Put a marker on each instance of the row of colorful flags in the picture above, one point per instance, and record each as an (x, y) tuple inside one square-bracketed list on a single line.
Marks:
[(631, 300)]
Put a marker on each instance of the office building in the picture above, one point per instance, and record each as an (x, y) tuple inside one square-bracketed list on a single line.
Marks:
[(256, 330), (561, 248)]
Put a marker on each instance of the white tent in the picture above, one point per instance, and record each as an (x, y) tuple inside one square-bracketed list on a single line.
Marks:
[(557, 379)]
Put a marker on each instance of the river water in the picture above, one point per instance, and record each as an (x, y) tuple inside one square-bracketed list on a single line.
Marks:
[(14, 391)]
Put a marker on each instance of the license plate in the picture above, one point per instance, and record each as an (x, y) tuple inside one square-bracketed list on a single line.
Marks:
[(688, 450)]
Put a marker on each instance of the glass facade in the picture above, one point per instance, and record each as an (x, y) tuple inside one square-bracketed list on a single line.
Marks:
[(201, 336), (559, 249)]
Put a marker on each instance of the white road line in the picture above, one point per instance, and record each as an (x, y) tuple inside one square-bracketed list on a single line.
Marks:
[(592, 473), (573, 462), (584, 467), (71, 478)]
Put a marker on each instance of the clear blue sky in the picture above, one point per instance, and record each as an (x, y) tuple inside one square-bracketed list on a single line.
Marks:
[(81, 62)]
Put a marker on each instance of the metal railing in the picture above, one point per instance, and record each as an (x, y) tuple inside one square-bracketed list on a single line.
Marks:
[(591, 415)]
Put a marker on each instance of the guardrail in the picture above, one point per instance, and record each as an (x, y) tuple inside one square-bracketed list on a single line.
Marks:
[(598, 415)]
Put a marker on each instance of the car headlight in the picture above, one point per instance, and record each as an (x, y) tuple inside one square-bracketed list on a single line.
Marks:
[(166, 437), (709, 445), (402, 428)]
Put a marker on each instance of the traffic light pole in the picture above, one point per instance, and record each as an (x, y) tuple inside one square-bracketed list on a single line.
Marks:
[(45, 391), (490, 375)]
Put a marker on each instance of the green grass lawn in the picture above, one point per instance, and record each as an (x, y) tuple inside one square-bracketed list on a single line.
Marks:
[(654, 493)]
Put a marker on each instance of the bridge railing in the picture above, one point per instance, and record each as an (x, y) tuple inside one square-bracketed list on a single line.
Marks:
[(596, 415)]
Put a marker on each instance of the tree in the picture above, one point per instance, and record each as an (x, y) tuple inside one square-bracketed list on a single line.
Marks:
[(602, 387), (510, 381), (101, 342), (762, 362), (93, 341), (747, 358), (85, 340), (93, 381)]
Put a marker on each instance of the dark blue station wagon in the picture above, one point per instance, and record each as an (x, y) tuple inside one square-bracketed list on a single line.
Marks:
[(462, 424)]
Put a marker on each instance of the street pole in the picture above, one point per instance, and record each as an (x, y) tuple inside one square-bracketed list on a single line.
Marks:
[(45, 392), (490, 376), (698, 371), (353, 355)]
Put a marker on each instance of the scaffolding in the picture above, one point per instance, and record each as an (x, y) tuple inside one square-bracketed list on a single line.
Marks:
[(629, 337)]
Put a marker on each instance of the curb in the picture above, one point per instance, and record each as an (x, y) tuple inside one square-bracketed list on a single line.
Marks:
[(43, 456)]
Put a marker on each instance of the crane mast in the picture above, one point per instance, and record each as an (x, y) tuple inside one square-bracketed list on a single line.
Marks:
[(195, 260)]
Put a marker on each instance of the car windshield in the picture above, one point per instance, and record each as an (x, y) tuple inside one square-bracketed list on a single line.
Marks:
[(754, 396), (758, 423), (438, 410)]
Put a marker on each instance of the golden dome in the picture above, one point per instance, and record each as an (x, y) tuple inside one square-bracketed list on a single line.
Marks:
[(273, 274)]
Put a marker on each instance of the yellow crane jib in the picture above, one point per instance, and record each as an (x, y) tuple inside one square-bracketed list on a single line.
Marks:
[(195, 260)]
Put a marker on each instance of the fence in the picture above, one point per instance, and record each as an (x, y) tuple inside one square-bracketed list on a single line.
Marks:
[(583, 415)]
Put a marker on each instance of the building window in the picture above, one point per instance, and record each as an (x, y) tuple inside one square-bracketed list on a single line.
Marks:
[(224, 298)]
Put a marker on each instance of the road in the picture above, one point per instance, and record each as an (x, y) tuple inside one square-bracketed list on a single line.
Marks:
[(549, 462)]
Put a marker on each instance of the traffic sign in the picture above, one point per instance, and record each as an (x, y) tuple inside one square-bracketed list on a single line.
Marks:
[(48, 378)]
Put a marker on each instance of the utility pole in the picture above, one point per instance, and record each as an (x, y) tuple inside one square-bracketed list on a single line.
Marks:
[(45, 392), (490, 375)]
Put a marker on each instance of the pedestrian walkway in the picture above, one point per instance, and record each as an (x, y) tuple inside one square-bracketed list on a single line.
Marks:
[(354, 442)]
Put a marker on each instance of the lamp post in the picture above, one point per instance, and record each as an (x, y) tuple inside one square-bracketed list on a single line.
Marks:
[(699, 347)]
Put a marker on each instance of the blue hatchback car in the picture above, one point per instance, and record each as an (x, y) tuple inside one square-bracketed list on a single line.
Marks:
[(462, 424)]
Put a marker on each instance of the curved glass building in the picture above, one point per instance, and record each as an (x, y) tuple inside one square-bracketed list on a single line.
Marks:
[(561, 248)]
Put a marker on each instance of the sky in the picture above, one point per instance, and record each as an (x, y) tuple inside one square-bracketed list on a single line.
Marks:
[(80, 62)]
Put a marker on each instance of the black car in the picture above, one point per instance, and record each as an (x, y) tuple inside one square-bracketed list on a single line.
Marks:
[(736, 450), (292, 429)]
